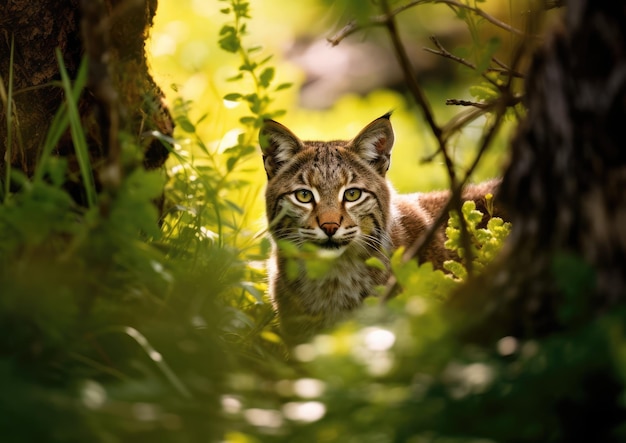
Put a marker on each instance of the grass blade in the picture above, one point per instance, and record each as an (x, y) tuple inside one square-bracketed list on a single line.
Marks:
[(76, 129), (9, 108), (59, 124)]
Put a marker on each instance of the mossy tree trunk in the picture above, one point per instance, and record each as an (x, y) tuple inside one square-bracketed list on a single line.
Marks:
[(120, 95)]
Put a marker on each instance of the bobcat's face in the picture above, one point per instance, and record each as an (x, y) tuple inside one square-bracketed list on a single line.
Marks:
[(331, 194)]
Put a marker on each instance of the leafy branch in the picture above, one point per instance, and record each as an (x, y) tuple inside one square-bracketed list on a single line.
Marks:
[(443, 52), (232, 40), (422, 101), (382, 20), (487, 241)]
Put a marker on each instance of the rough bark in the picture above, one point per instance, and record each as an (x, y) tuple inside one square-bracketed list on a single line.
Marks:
[(120, 94), (564, 266), (565, 185), (565, 188)]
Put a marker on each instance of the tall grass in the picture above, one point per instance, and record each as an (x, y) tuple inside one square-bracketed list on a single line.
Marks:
[(118, 328), (78, 136), (109, 314)]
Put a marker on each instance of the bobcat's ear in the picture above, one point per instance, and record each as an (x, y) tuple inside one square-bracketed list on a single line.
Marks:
[(374, 143), (278, 144)]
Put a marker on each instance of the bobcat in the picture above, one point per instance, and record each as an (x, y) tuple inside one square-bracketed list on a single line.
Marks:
[(334, 195)]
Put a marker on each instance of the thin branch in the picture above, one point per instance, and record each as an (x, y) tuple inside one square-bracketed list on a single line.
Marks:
[(387, 19), (422, 101), (381, 20), (409, 76), (352, 27), (457, 102), (423, 240), (461, 120), (506, 69), (443, 52), (458, 122), (491, 19), (500, 105)]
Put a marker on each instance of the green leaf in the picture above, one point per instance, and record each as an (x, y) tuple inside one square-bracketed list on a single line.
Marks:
[(57, 168), (265, 60), (375, 262), (251, 289), (484, 91), (235, 207), (185, 124), (235, 78), (248, 120), (230, 40), (486, 54), (456, 269), (266, 77), (231, 162), (233, 97), (248, 66), (76, 129), (276, 114), (283, 86)]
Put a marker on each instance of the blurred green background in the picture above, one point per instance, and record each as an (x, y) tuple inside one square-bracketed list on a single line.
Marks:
[(336, 90)]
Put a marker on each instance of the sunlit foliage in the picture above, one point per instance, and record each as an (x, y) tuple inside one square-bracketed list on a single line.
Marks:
[(120, 325)]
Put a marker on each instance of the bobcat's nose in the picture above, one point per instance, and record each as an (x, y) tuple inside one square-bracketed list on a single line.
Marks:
[(329, 228)]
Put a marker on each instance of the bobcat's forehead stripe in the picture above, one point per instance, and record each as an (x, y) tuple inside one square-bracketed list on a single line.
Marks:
[(302, 178)]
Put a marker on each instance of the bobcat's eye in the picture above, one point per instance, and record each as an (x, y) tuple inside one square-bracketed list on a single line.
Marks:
[(352, 194), (304, 195)]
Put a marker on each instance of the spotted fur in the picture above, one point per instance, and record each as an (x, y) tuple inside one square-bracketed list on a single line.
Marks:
[(334, 195)]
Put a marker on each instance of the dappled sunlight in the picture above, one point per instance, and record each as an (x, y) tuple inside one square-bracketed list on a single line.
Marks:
[(307, 412), (264, 418), (148, 311)]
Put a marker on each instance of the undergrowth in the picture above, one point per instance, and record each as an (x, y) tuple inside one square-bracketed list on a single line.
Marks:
[(127, 322), (121, 324)]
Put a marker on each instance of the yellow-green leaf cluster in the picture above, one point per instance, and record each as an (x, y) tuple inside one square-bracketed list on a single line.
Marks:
[(485, 242)]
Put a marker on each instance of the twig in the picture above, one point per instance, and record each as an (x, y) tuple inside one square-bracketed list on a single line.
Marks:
[(381, 20), (423, 240), (443, 52), (491, 19), (387, 19), (457, 102), (507, 69), (407, 69), (500, 105), (422, 101), (461, 120)]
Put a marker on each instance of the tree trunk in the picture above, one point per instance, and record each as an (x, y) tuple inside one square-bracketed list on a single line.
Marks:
[(120, 93), (565, 187), (564, 265)]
